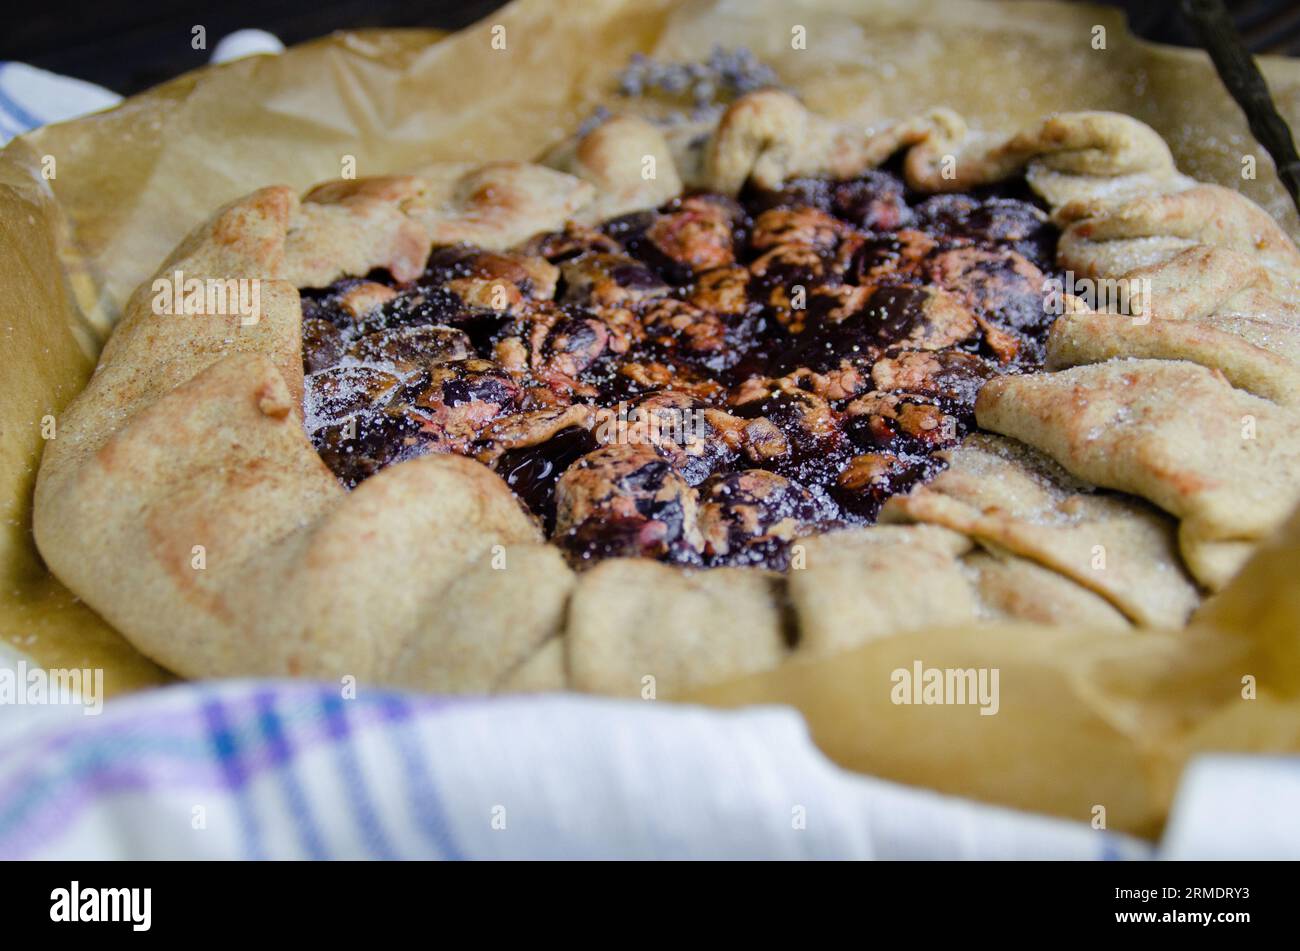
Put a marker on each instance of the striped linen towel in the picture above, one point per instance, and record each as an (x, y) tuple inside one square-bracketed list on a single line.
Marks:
[(284, 770)]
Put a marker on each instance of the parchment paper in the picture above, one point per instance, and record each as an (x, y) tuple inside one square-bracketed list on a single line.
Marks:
[(1091, 726)]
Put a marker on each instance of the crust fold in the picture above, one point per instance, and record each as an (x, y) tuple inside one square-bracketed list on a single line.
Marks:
[(641, 628)]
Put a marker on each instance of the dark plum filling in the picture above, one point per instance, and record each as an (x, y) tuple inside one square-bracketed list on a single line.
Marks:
[(702, 384)]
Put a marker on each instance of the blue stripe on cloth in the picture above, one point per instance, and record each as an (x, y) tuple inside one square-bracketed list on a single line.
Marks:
[(227, 750), (422, 791), (354, 781), (11, 106), (9, 126), (283, 756), (1110, 851)]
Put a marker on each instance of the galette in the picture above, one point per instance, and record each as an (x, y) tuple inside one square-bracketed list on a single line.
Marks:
[(680, 403)]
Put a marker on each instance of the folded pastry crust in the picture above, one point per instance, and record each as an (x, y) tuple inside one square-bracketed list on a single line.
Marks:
[(1004, 494), (183, 501), (863, 584), (1175, 432)]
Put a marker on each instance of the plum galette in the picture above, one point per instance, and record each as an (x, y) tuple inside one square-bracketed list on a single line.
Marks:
[(687, 403)]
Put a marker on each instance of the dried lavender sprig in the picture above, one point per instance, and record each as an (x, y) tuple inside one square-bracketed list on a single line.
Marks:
[(723, 76), (709, 85)]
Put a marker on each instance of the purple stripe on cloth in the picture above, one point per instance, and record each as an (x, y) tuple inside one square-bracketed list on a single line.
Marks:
[(32, 756), (169, 711), (59, 811)]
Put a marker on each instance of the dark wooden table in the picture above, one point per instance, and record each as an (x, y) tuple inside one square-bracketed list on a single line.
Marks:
[(128, 45)]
